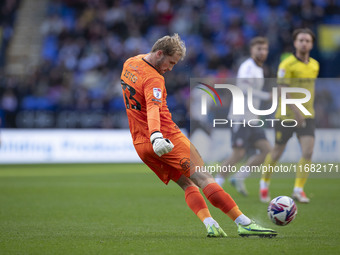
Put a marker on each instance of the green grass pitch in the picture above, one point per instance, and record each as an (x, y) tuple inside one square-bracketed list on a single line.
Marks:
[(125, 209)]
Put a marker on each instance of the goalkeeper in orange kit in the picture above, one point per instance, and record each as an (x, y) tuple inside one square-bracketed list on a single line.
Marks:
[(163, 147)]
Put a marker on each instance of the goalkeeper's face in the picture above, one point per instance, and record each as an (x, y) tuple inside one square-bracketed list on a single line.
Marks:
[(165, 63), (259, 52)]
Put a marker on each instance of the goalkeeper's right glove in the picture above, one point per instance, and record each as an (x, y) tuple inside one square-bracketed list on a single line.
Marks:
[(160, 145)]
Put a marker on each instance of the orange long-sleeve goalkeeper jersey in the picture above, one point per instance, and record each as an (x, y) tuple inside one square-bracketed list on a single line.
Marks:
[(145, 100)]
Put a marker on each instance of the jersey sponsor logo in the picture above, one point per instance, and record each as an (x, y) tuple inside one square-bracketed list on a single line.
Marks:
[(281, 73), (157, 92)]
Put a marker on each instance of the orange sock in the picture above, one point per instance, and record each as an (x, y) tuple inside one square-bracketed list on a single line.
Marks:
[(234, 213), (222, 200), (196, 202)]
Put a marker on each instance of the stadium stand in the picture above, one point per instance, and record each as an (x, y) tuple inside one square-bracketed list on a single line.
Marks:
[(77, 83), (8, 10)]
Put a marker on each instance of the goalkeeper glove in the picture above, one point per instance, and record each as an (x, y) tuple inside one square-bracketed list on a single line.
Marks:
[(160, 145)]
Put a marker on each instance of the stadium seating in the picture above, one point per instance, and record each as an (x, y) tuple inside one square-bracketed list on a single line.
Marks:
[(85, 46)]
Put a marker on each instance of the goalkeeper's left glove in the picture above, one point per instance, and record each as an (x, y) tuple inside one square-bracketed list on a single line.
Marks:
[(160, 145)]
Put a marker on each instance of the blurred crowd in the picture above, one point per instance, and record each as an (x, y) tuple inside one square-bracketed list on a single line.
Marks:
[(8, 10), (87, 41)]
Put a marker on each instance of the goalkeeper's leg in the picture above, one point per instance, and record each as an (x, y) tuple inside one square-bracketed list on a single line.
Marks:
[(222, 200), (197, 204)]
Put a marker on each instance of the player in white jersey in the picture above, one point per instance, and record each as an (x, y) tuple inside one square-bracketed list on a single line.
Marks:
[(244, 137)]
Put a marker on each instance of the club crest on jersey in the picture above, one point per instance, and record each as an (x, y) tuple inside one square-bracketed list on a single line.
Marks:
[(281, 73), (157, 92)]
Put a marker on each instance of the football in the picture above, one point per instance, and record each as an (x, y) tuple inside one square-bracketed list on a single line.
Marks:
[(282, 210)]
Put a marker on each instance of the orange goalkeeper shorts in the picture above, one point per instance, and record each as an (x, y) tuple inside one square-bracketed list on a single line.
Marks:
[(183, 159)]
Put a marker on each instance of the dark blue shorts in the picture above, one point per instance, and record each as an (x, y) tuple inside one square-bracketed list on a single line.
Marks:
[(245, 137)]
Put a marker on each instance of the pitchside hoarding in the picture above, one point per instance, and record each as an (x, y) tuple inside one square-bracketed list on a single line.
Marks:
[(20, 146)]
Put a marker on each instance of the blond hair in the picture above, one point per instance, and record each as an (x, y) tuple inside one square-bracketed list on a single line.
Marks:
[(258, 40), (170, 45)]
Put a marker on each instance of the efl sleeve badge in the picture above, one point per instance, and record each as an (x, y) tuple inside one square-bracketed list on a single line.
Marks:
[(157, 92)]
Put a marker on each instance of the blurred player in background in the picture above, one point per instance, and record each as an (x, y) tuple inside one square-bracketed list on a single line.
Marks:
[(298, 70), (163, 147), (250, 75)]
